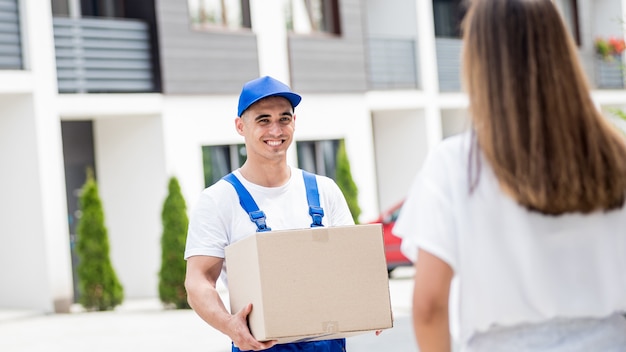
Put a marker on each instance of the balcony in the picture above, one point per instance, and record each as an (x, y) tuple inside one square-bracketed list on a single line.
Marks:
[(97, 55), (609, 73), (10, 38), (449, 64), (392, 63)]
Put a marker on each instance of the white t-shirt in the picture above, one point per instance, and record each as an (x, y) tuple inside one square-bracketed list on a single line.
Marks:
[(513, 266), (218, 219)]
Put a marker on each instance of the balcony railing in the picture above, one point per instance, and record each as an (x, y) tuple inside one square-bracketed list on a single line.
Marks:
[(392, 63), (10, 39), (449, 63), (96, 55), (610, 73)]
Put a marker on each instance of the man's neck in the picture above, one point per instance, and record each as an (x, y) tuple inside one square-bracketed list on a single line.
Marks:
[(266, 174)]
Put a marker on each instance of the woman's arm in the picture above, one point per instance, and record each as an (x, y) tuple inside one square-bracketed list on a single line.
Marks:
[(430, 303)]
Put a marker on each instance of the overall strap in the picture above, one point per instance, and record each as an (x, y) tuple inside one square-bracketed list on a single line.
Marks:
[(248, 204), (313, 197)]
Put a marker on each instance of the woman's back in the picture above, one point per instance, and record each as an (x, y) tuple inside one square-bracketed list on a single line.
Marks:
[(515, 265)]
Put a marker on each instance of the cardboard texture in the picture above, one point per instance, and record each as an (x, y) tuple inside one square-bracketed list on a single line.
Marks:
[(311, 284)]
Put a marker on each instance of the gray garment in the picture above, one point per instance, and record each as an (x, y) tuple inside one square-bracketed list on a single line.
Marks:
[(570, 335)]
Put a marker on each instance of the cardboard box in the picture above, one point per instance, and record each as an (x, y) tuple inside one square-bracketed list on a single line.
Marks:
[(311, 284)]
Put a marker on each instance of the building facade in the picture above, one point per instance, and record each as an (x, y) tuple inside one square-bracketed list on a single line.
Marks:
[(143, 90)]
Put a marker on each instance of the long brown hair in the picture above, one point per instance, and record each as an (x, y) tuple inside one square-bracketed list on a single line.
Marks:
[(532, 112)]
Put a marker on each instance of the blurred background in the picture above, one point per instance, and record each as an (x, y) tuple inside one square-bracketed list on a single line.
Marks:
[(142, 90)]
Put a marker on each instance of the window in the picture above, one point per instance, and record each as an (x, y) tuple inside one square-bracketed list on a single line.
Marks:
[(312, 16), (88, 8), (102, 8), (60, 8), (448, 15), (219, 14), (219, 160), (319, 157)]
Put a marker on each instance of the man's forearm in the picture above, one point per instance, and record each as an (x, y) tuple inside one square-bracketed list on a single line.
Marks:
[(207, 303)]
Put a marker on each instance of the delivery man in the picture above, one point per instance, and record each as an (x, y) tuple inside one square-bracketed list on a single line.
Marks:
[(264, 194)]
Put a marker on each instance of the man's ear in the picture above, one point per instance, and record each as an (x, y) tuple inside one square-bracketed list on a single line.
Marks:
[(239, 125)]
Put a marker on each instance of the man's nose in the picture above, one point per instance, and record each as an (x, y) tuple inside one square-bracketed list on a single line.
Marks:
[(275, 128)]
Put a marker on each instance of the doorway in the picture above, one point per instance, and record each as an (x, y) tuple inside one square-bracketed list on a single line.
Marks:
[(78, 156)]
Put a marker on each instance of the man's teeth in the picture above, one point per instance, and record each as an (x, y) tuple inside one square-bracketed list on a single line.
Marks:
[(274, 143)]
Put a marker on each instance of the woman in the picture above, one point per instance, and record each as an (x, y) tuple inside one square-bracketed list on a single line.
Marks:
[(526, 210)]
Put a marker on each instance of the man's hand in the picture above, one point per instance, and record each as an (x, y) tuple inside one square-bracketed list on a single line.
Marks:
[(202, 274), (240, 334)]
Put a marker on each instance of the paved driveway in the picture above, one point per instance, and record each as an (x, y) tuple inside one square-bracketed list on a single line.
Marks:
[(141, 325)]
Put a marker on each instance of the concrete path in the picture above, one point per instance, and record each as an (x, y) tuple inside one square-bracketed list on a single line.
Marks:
[(143, 325)]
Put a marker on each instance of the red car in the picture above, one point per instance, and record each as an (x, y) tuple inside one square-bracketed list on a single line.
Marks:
[(394, 256)]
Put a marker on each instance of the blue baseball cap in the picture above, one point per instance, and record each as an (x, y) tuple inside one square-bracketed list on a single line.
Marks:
[(264, 87)]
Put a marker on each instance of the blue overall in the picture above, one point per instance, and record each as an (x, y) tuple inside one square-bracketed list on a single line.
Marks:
[(258, 217)]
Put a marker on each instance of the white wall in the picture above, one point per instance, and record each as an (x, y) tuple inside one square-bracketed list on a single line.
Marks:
[(39, 55), (22, 253), (454, 121), (35, 266), (607, 20), (268, 23), (130, 169), (401, 147), (391, 18)]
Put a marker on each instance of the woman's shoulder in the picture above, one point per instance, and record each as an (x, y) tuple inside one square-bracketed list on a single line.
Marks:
[(453, 146), (449, 155)]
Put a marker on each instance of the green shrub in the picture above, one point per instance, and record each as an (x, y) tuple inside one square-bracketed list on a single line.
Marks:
[(172, 275), (99, 287), (343, 177)]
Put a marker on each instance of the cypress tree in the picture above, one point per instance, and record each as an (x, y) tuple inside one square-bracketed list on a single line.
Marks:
[(172, 275), (99, 287), (343, 177)]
